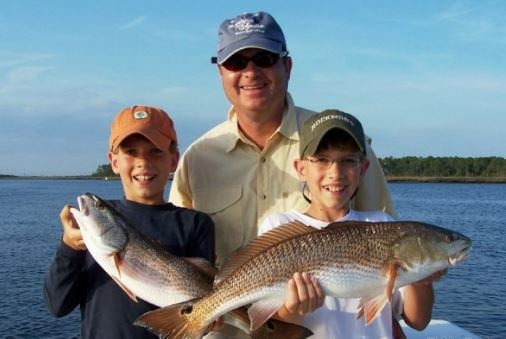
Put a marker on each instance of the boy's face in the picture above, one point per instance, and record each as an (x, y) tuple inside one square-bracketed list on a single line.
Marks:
[(143, 168), (331, 183)]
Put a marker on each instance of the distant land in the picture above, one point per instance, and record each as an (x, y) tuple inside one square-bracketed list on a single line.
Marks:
[(404, 169), (491, 180)]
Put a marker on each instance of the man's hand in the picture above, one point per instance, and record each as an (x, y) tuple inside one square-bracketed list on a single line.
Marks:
[(72, 235)]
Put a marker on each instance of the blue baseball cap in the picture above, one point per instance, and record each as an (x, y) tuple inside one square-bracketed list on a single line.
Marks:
[(249, 30)]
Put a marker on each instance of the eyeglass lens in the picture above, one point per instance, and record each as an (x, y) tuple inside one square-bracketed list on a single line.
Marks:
[(326, 163)]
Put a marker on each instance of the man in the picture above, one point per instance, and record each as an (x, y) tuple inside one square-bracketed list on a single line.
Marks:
[(241, 170)]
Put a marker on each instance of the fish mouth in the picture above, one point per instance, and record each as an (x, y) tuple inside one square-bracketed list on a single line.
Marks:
[(459, 256), (83, 206)]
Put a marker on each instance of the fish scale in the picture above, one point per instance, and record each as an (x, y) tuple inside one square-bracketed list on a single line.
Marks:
[(302, 254), (349, 259), (142, 268)]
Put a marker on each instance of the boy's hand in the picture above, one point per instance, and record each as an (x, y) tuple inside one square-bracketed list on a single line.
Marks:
[(305, 294), (72, 236)]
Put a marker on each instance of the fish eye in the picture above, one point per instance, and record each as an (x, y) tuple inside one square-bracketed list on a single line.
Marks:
[(99, 204), (449, 238), (270, 326)]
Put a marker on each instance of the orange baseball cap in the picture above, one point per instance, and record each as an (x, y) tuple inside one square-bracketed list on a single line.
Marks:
[(151, 122)]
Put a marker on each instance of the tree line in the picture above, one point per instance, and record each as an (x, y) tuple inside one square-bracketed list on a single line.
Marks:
[(416, 167), (444, 166), (103, 171)]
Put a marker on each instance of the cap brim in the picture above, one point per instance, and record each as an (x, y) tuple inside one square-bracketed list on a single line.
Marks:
[(266, 44), (315, 142), (159, 140)]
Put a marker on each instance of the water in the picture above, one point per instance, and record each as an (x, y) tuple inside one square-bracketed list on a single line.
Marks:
[(472, 295)]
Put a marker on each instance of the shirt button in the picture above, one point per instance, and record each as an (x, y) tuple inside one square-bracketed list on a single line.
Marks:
[(285, 194), (262, 159), (264, 197)]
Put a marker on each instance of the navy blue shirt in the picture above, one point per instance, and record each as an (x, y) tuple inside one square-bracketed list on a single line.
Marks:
[(74, 277)]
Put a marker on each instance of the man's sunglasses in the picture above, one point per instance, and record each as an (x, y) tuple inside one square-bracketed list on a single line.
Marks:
[(263, 59)]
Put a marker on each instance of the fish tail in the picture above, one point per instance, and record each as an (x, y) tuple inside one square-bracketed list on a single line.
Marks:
[(172, 322)]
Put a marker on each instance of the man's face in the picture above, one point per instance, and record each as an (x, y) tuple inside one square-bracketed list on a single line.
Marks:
[(256, 89)]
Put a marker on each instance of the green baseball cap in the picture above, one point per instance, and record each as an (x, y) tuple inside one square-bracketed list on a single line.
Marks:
[(316, 126)]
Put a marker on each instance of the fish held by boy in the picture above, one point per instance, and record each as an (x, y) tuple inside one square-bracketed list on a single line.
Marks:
[(350, 259), (143, 269)]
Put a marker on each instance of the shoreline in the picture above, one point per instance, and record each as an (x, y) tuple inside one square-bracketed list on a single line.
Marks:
[(456, 180), (390, 179)]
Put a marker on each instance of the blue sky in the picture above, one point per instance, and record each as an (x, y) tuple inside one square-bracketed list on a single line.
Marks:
[(425, 78)]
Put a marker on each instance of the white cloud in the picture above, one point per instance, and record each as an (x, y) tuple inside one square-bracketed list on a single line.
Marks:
[(14, 60), (26, 73), (133, 23), (475, 23)]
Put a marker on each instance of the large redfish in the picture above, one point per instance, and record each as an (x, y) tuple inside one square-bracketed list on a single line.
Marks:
[(349, 259), (142, 268)]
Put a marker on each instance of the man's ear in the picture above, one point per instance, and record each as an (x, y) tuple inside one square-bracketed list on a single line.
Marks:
[(113, 160), (300, 167), (288, 67)]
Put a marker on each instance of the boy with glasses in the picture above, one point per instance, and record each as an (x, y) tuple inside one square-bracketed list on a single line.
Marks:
[(332, 161)]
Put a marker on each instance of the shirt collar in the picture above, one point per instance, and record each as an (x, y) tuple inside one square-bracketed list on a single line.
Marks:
[(287, 128)]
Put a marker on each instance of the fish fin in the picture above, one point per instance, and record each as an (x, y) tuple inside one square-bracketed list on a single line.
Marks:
[(262, 310), (274, 329), (238, 318), (203, 265), (391, 276), (271, 329), (126, 289), (117, 263), (259, 245), (370, 308), (170, 322)]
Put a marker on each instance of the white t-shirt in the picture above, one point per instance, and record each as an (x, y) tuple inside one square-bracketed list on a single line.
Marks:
[(336, 318)]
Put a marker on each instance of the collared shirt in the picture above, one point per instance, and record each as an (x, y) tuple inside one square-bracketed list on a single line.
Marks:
[(226, 176)]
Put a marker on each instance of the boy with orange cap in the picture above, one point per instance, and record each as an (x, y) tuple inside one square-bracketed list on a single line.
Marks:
[(143, 152)]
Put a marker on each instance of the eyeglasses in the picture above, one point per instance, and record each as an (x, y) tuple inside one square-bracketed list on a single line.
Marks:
[(263, 59), (324, 163)]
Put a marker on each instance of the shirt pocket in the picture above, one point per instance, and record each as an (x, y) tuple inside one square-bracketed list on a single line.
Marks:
[(224, 206)]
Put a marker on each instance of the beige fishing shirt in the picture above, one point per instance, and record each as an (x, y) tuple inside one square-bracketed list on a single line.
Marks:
[(225, 175)]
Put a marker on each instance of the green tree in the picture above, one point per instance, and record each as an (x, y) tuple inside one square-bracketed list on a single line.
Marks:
[(104, 170)]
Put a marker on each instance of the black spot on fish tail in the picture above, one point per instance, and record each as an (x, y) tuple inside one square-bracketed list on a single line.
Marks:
[(187, 309)]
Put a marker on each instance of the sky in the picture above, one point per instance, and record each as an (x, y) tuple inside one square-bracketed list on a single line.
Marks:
[(426, 78)]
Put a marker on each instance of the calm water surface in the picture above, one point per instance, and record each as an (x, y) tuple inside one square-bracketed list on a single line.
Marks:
[(472, 295)]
